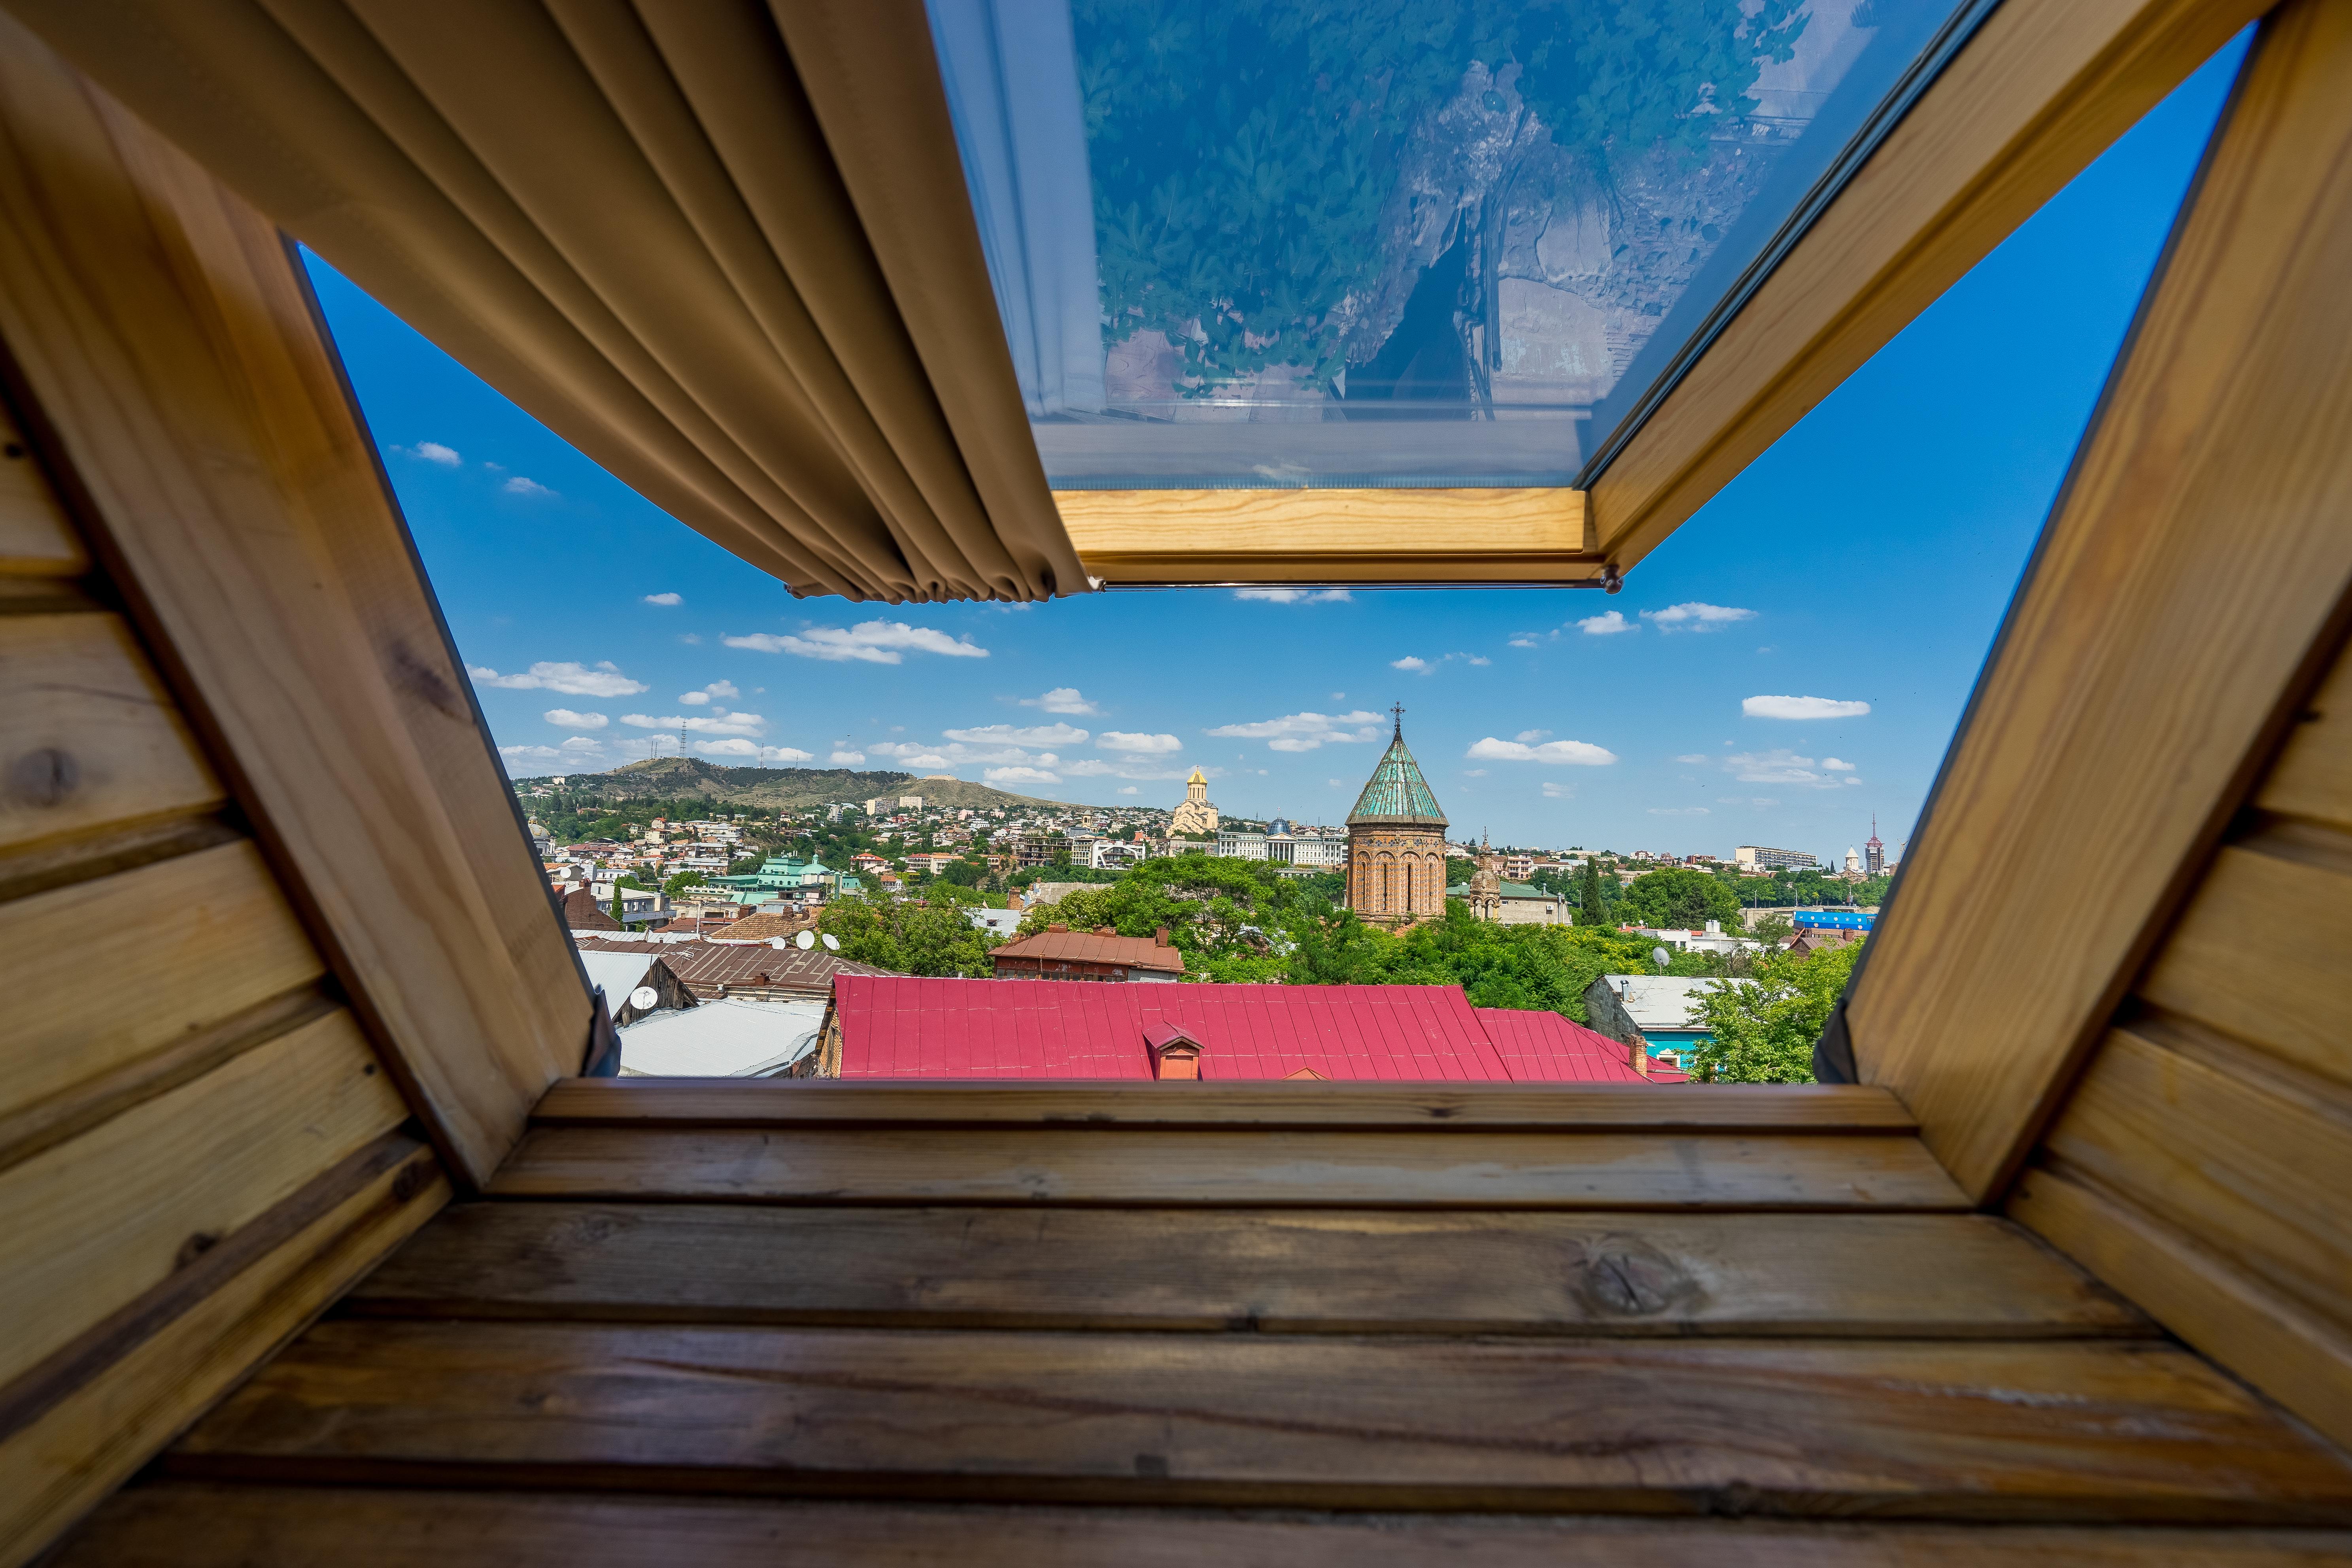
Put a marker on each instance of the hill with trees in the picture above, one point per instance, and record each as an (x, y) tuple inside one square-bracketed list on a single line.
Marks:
[(775, 789)]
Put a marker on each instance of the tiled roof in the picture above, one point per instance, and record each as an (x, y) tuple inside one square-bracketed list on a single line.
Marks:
[(761, 928), (705, 966), (905, 1027), (1087, 947), (1396, 794)]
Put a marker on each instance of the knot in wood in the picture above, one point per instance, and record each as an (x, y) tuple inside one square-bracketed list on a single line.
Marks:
[(1623, 1276), (44, 778)]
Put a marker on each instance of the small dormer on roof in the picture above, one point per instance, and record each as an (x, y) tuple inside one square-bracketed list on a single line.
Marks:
[(1175, 1052)]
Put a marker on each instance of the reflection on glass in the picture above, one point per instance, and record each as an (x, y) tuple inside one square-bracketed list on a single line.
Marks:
[(1442, 242)]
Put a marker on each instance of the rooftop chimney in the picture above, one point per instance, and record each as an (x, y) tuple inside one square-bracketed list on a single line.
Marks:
[(1175, 1054), (1057, 928), (1105, 931), (1160, 937)]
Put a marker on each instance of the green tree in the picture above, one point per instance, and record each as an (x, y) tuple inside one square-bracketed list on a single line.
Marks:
[(682, 881), (909, 936), (1681, 897), (1765, 1027), (1592, 901)]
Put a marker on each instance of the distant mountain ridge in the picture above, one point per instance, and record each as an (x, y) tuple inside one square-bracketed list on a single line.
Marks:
[(788, 789)]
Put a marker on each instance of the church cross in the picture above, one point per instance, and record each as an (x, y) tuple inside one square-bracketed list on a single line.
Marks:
[(1399, 711)]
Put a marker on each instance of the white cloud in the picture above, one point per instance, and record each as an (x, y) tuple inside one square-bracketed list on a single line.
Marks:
[(1408, 662), (694, 699), (1019, 735), (1129, 789), (1305, 731), (1678, 811), (1695, 617), (871, 642), (1558, 791), (725, 690), (433, 452), (1523, 642), (1119, 767), (1837, 764), (785, 755), (583, 745), (1696, 757), (1061, 700), (1607, 625), (1571, 753), (1126, 740), (1531, 736), (1296, 595), (1781, 766), (1480, 660), (1019, 775), (665, 599), (530, 754), (518, 486), (722, 723), (848, 759), (737, 747), (568, 720), (1801, 708), (571, 680), (1473, 773)]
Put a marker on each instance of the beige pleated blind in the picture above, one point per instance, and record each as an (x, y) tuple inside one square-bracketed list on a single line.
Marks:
[(724, 250)]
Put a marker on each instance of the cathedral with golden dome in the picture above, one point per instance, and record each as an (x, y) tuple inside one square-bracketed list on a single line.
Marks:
[(1396, 842), (1195, 815)]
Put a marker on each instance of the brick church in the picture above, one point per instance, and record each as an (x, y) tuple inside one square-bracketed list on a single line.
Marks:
[(1396, 842)]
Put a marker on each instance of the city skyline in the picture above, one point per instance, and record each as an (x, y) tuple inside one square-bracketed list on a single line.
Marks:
[(1792, 661)]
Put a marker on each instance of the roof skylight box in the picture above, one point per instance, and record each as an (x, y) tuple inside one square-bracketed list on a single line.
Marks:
[(1403, 243)]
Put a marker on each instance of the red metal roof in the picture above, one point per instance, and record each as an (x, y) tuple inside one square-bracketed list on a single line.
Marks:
[(898, 1026), (1544, 1048), (1087, 947)]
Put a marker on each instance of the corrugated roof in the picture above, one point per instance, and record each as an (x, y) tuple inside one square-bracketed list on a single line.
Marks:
[(1544, 1048), (1396, 794), (705, 965), (1087, 947), (618, 972), (1663, 1001), (924, 1028)]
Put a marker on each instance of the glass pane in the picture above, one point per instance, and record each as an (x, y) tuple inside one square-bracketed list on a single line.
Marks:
[(1396, 242)]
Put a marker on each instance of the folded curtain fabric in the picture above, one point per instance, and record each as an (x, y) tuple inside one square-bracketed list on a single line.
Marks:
[(723, 250)]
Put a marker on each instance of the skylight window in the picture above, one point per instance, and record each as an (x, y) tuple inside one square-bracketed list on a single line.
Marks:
[(1403, 244)]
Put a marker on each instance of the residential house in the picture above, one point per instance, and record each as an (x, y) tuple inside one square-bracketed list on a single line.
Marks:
[(1057, 952), (1657, 1014)]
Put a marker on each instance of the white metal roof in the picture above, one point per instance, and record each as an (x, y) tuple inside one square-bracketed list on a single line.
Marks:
[(1663, 1001), (618, 972), (724, 1037)]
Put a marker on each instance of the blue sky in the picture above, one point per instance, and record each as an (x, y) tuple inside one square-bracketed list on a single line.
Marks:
[(1865, 558)]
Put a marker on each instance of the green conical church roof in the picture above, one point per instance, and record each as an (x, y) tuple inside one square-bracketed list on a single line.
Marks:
[(1397, 796)]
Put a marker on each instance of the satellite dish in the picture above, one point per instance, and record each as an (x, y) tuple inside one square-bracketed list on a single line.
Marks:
[(832, 943), (805, 940), (644, 999), (1658, 957)]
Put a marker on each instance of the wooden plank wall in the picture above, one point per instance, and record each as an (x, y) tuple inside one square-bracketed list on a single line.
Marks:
[(198, 1147), (2202, 1164)]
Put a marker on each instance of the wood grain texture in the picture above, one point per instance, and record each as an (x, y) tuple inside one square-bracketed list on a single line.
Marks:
[(89, 738), (2141, 676), (1340, 535), (2264, 952), (1958, 1429), (2040, 90), (133, 963), (96, 1221), (2312, 777), (2254, 1176), (36, 540), (1434, 1107), (234, 495), (2299, 1357), (1367, 1169), (191, 1524), (88, 1443), (1851, 1275)]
